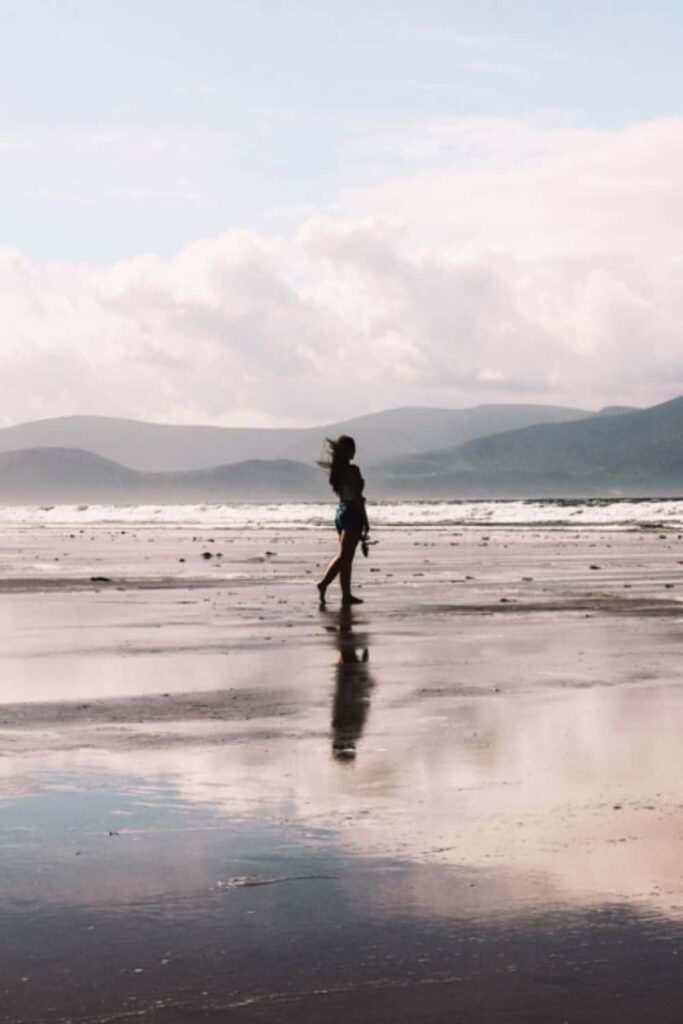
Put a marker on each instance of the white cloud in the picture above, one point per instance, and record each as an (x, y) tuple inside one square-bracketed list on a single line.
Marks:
[(544, 265), (540, 192)]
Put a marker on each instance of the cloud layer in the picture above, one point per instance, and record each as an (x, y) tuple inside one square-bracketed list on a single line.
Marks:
[(534, 264)]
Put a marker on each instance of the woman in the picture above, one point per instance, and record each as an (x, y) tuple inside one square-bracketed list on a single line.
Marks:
[(351, 519)]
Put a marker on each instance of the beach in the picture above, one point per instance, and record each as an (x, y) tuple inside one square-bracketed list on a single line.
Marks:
[(459, 801)]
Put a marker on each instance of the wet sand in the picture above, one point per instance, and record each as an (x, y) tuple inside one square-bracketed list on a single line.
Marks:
[(460, 801)]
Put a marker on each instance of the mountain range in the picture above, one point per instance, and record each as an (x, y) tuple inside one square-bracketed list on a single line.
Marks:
[(489, 451), (636, 453), (55, 476), (157, 447)]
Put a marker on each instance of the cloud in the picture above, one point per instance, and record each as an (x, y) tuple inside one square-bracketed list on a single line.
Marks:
[(543, 263), (542, 191)]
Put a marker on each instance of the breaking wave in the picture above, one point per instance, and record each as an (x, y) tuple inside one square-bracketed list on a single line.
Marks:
[(605, 513)]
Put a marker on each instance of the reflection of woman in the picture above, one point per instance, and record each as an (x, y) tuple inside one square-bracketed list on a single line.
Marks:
[(352, 693), (351, 519)]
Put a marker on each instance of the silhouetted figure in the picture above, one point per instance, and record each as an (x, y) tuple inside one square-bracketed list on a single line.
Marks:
[(352, 692), (351, 519)]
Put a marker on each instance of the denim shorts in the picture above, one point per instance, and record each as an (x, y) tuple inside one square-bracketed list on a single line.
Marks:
[(349, 517)]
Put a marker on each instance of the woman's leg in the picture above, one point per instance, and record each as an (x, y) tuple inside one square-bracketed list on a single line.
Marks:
[(349, 543), (332, 572)]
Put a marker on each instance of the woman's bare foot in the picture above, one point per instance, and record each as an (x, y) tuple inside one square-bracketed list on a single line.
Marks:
[(321, 592), (352, 600)]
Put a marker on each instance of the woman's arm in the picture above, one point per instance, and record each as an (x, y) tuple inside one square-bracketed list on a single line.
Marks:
[(355, 482), (359, 484)]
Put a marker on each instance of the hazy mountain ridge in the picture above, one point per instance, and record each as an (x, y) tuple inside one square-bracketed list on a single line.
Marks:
[(154, 447), (73, 476), (639, 452), (617, 453)]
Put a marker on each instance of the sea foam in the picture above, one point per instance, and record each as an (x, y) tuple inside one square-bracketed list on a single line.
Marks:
[(605, 513)]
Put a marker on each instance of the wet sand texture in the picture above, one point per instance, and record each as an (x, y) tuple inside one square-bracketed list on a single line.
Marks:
[(459, 802)]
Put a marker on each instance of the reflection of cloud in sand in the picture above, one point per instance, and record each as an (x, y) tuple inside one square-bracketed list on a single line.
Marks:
[(571, 788)]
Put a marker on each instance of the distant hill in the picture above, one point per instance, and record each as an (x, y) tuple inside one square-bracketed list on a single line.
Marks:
[(50, 476), (155, 447), (252, 480), (634, 453), (616, 453), (616, 410), (395, 432), (55, 475)]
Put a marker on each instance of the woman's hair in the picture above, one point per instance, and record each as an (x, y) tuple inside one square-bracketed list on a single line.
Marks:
[(336, 458)]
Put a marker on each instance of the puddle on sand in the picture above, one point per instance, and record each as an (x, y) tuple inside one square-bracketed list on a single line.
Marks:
[(123, 902)]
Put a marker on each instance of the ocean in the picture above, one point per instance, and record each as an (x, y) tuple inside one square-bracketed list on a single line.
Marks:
[(602, 513)]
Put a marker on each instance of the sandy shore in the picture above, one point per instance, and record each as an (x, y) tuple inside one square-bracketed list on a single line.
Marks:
[(460, 801)]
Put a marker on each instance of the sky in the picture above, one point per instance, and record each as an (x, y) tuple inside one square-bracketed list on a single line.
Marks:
[(287, 213)]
